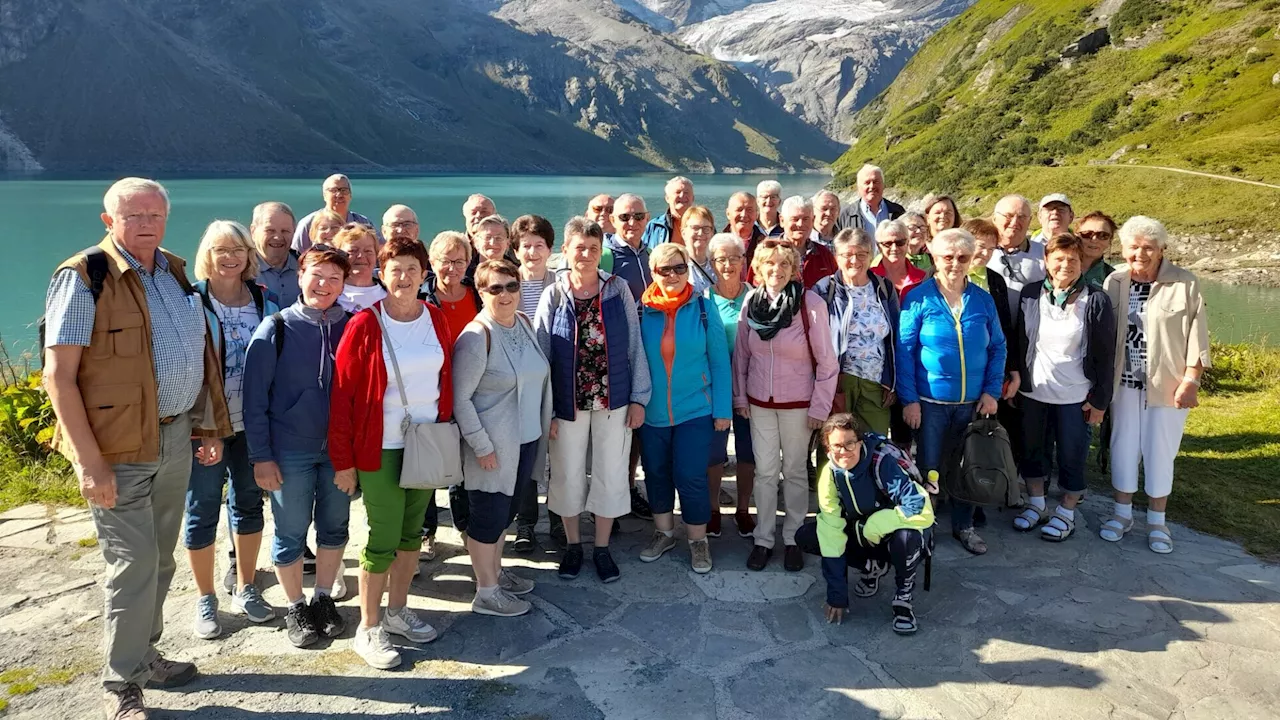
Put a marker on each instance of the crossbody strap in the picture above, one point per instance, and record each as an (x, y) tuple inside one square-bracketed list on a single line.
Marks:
[(404, 398)]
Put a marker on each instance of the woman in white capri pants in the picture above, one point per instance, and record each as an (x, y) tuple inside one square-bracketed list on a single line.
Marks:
[(1162, 347)]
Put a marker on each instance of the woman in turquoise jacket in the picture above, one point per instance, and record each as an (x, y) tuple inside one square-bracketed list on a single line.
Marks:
[(951, 363), (688, 355)]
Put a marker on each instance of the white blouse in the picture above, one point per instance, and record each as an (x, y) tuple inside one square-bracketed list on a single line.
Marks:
[(421, 359)]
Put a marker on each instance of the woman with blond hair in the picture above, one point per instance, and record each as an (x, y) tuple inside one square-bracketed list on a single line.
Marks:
[(363, 290), (697, 226), (325, 225), (784, 378)]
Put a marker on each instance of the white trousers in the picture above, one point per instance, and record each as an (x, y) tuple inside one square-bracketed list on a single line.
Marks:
[(607, 494), (1151, 435), (780, 439)]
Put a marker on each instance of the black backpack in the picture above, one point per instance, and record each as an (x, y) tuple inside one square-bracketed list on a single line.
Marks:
[(982, 470), (96, 268)]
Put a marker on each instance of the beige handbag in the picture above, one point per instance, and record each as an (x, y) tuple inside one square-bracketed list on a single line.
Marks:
[(432, 451)]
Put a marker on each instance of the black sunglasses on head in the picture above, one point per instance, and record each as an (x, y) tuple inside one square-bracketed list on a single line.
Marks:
[(324, 247)]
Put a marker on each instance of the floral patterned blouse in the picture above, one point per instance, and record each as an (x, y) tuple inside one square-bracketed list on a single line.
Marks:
[(591, 386)]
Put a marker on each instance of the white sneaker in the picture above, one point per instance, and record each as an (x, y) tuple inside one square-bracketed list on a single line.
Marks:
[(408, 625), (513, 584), (206, 625), (501, 604), (339, 590), (374, 647)]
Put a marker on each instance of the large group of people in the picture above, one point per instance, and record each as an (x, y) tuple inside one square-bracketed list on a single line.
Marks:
[(843, 348)]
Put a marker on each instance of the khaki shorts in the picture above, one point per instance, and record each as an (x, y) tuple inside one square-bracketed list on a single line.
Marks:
[(606, 493)]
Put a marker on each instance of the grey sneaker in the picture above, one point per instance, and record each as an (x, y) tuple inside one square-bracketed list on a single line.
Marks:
[(374, 647), (513, 584), (206, 625), (657, 546), (125, 704), (249, 601), (408, 625), (231, 578), (501, 604), (700, 556)]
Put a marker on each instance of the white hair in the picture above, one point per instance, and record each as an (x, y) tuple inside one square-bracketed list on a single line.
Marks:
[(1141, 226), (768, 187), (627, 198), (720, 240), (677, 180), (896, 227), (1017, 198), (818, 196), (129, 187), (953, 237), (856, 236), (869, 169), (795, 204)]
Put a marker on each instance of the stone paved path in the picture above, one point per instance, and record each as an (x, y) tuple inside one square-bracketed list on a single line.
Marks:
[(1083, 629)]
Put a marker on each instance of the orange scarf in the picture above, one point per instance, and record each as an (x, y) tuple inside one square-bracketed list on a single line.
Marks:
[(656, 297)]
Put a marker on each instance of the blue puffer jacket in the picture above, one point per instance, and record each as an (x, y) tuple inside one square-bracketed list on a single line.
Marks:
[(658, 231), (944, 359), (696, 380), (556, 324), (835, 292)]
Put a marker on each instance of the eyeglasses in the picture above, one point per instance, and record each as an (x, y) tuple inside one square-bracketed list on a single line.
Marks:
[(338, 190), (672, 270), (863, 256), (324, 247), (893, 243), (727, 260), (452, 263), (1095, 235), (848, 447), (1008, 216), (402, 224), (701, 229), (637, 216), (954, 258), (139, 218), (512, 288), (228, 251)]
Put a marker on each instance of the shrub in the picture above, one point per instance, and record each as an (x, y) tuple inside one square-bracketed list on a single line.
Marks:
[(1260, 31), (1241, 366), (1135, 16), (1170, 59), (26, 416), (1104, 110)]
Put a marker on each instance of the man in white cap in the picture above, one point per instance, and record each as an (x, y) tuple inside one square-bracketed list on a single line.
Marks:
[(1056, 217)]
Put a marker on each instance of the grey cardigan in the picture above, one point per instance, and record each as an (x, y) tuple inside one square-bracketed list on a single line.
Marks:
[(485, 404)]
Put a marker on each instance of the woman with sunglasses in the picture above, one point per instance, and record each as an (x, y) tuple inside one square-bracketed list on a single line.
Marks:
[(893, 241), (951, 363), (784, 378), (917, 240), (1096, 230), (363, 289), (502, 402), (589, 330), (688, 359), (729, 294), (376, 385)]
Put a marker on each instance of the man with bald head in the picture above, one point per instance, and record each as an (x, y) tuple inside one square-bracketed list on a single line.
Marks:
[(337, 198), (476, 208), (399, 221), (630, 254), (666, 227), (272, 230), (871, 207)]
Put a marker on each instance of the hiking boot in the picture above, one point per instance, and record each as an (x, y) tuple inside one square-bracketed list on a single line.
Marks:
[(525, 541), (374, 647), (514, 584), (606, 568), (249, 601), (301, 626), (168, 674), (571, 562), (639, 506), (713, 525), (746, 524), (869, 584), (904, 620), (500, 604), (124, 704), (759, 557), (700, 556), (792, 559), (659, 544), (407, 624), (325, 615), (206, 625), (971, 540)]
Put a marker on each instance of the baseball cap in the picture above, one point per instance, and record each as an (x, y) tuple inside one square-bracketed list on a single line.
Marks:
[(1053, 198)]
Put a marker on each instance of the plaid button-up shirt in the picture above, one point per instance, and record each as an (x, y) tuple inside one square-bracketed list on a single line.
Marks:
[(177, 328)]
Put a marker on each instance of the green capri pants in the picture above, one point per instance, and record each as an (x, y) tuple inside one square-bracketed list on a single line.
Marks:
[(395, 514)]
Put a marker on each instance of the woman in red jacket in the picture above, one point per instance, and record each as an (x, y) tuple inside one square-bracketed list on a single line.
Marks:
[(366, 441)]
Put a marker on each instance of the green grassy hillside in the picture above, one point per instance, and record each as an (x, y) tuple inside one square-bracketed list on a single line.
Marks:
[(988, 104)]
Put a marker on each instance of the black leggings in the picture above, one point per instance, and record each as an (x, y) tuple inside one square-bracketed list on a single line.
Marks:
[(905, 549)]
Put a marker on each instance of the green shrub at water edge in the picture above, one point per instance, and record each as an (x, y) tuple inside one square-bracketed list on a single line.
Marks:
[(1240, 367)]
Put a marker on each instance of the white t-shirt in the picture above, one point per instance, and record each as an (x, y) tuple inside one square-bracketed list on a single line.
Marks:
[(355, 298), (421, 358), (1057, 376), (238, 324)]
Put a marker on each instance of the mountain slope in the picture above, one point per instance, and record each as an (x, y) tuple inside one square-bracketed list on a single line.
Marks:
[(990, 98), (245, 85)]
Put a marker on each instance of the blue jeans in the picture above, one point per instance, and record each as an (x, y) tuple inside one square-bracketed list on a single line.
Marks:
[(742, 449), (307, 494), (204, 495), (941, 430), (670, 465), (1043, 424)]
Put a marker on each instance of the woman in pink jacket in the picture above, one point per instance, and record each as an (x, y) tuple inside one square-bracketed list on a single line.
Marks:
[(784, 377)]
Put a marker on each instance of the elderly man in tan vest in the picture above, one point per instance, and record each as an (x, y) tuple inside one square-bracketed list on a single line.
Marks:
[(133, 375)]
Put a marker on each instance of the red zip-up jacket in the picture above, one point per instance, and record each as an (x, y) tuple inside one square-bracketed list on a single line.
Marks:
[(359, 384)]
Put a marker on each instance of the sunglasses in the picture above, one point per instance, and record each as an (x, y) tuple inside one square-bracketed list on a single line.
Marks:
[(597, 209), (955, 258), (512, 287), (893, 243), (628, 217), (1095, 235), (771, 244), (324, 247), (672, 270)]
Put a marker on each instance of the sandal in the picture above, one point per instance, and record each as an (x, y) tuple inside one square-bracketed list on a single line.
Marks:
[(1031, 516), (904, 620), (1159, 539), (1115, 529), (1062, 526), (869, 584)]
